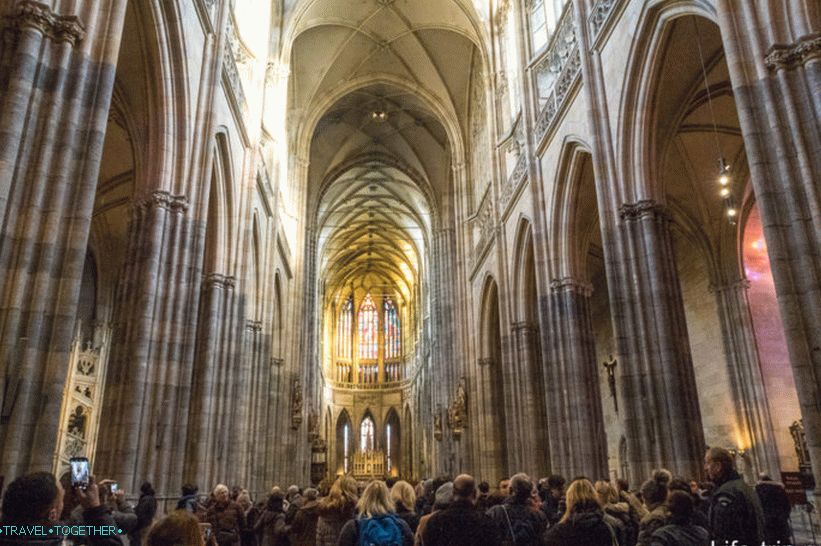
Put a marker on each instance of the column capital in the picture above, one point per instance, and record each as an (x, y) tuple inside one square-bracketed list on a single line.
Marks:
[(218, 280), (523, 326), (253, 325), (571, 284), (789, 56), (646, 208), (39, 16), (738, 284), (162, 199)]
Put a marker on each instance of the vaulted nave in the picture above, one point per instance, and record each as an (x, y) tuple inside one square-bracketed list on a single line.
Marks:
[(263, 242)]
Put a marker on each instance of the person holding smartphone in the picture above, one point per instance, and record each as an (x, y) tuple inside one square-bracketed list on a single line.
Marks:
[(37, 499)]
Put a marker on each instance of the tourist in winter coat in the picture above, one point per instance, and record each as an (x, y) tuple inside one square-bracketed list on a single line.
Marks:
[(554, 503), (404, 500), (461, 523), (680, 529), (583, 522), (146, 509), (377, 523), (335, 511), (776, 507), (271, 524), (617, 514), (37, 499), (735, 512), (519, 521), (442, 499), (303, 528), (226, 517), (654, 492)]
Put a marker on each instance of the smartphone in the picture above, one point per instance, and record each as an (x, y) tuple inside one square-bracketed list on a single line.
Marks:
[(205, 529), (79, 472), (114, 487)]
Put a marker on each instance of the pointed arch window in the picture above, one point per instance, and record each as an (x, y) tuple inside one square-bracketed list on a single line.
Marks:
[(393, 338), (344, 329), (368, 323), (366, 435)]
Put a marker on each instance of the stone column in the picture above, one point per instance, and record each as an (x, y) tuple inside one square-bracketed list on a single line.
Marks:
[(774, 56), (491, 437), (255, 350), (224, 449), (663, 420), (56, 79), (750, 398), (531, 416), (577, 440), (137, 407)]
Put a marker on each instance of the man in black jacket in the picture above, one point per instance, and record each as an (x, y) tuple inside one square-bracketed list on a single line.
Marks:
[(461, 523), (37, 500), (734, 511), (776, 506), (518, 520)]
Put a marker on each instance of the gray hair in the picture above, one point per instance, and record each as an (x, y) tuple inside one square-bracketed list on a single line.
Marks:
[(521, 486), (444, 496)]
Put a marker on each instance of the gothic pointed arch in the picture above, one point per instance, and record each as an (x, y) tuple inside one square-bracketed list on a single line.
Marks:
[(346, 441)]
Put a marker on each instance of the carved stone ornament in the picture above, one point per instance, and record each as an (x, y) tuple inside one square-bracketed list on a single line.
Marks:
[(313, 426), (296, 404), (789, 56), (457, 413), (39, 17), (437, 424)]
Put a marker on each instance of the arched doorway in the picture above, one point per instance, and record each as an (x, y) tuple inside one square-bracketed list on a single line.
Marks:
[(493, 448)]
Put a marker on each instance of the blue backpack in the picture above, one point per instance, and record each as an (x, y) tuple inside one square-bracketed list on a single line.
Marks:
[(379, 531)]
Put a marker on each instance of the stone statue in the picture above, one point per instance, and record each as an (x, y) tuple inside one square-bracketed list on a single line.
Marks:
[(457, 412), (313, 426), (611, 379), (77, 422), (296, 404), (437, 424)]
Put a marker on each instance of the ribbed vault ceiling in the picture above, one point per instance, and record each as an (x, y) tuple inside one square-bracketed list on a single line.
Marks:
[(376, 182), (373, 230)]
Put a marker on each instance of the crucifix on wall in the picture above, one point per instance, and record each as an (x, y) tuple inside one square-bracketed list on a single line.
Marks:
[(610, 366)]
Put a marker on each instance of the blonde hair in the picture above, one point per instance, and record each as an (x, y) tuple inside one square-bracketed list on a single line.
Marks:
[(178, 527), (220, 488), (581, 493), (402, 493), (606, 492), (343, 492), (375, 500)]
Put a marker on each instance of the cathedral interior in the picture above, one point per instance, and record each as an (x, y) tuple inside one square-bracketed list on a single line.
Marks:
[(275, 241)]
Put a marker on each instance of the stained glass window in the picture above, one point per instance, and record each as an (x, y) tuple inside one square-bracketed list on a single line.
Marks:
[(368, 324), (343, 330), (393, 343), (345, 447), (388, 443), (366, 442)]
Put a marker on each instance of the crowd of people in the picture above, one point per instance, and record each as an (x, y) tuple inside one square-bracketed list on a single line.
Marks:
[(664, 511)]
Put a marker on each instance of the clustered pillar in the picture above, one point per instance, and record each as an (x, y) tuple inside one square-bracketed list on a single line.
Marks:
[(56, 81), (774, 56), (663, 421), (148, 372), (577, 440)]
